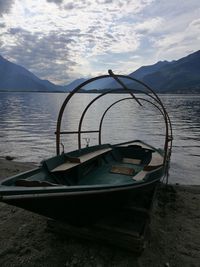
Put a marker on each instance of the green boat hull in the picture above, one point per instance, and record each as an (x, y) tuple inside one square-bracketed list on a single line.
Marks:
[(83, 186)]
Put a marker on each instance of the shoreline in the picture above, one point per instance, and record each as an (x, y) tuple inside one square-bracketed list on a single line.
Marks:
[(174, 234), (10, 167)]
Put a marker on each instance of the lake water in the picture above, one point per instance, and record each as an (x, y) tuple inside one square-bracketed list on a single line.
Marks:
[(28, 123)]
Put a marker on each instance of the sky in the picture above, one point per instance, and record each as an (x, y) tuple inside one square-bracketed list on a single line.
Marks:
[(63, 40)]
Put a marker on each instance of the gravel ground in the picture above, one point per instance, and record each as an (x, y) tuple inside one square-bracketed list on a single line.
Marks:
[(174, 241)]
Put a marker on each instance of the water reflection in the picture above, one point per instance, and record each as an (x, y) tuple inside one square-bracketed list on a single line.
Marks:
[(28, 123)]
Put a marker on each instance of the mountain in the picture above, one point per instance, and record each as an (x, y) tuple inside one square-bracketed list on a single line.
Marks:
[(74, 84), (177, 76), (180, 76), (95, 85), (146, 70), (17, 78)]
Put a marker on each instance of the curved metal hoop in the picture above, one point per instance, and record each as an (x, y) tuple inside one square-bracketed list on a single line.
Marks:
[(159, 105)]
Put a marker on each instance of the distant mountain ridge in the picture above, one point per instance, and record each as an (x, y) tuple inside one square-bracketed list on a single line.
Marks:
[(17, 78), (178, 76), (146, 70), (74, 84)]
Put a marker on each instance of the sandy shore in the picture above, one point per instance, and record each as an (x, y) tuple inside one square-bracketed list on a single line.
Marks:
[(174, 241)]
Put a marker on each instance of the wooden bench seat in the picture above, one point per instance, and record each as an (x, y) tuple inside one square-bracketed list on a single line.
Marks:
[(156, 159), (140, 175), (132, 161), (84, 158)]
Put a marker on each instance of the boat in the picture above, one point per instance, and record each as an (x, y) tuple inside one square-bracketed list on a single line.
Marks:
[(85, 184)]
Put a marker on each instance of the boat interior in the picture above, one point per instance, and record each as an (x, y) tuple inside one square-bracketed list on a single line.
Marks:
[(98, 165)]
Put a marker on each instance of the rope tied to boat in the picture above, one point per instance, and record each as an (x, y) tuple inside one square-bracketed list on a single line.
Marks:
[(167, 167)]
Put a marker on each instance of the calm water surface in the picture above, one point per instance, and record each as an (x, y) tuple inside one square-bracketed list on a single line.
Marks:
[(28, 123)]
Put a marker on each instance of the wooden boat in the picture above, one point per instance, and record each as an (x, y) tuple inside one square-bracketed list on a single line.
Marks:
[(85, 184)]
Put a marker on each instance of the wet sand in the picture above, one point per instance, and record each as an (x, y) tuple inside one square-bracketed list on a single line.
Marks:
[(174, 237)]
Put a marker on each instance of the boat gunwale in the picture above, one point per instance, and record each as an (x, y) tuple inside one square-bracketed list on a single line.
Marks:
[(89, 190)]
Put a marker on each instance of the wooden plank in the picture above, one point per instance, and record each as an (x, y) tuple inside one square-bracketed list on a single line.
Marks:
[(155, 162), (140, 175), (68, 164), (64, 167), (118, 169), (156, 159), (131, 161), (94, 154)]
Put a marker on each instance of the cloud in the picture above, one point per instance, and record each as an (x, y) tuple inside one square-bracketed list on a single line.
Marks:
[(149, 25), (174, 45), (70, 5), (2, 25), (71, 32), (55, 1), (47, 56), (5, 6), (64, 39)]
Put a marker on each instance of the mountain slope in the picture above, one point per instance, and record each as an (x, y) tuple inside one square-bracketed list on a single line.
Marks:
[(17, 78), (146, 70), (181, 76), (177, 76), (74, 84)]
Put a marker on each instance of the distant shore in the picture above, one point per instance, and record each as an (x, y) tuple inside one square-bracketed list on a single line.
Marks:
[(95, 91), (174, 238)]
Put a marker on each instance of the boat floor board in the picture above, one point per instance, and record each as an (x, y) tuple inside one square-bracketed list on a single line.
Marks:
[(122, 170)]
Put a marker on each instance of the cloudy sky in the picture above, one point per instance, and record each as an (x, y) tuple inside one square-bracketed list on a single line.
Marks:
[(62, 40)]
